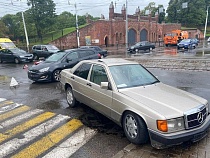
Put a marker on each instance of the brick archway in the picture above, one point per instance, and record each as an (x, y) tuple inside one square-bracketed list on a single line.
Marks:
[(143, 35), (131, 37), (106, 41)]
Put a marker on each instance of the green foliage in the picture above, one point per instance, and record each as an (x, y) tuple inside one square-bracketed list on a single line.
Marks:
[(192, 16)]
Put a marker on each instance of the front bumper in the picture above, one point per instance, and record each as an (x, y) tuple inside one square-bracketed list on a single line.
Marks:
[(40, 76), (159, 140)]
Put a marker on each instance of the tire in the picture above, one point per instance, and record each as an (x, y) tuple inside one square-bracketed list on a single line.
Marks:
[(56, 75), (16, 61), (70, 98), (166, 45), (135, 128), (36, 57)]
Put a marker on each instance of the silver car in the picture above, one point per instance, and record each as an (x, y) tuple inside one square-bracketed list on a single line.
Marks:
[(131, 96)]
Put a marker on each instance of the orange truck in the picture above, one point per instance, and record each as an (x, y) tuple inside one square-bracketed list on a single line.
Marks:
[(174, 37)]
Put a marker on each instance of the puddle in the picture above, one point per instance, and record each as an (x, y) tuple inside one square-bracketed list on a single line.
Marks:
[(101, 123), (53, 105)]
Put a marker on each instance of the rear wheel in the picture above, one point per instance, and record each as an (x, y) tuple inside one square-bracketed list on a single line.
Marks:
[(70, 97), (56, 75), (17, 61), (135, 128)]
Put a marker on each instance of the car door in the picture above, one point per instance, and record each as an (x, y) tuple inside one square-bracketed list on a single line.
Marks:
[(71, 59), (7, 55), (44, 52), (101, 99)]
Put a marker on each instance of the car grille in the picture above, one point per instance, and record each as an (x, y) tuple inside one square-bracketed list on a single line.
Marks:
[(195, 117)]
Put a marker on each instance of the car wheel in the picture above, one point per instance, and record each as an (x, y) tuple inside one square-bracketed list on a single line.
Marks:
[(56, 75), (17, 61), (70, 98), (36, 57), (135, 128)]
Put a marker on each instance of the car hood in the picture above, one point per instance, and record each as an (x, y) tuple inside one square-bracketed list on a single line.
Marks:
[(42, 65), (166, 100)]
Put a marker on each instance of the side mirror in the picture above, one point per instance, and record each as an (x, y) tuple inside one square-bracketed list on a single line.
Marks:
[(104, 85)]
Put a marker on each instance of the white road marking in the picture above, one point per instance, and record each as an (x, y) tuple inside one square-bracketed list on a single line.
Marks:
[(19, 118), (2, 99), (14, 144), (71, 145), (9, 107)]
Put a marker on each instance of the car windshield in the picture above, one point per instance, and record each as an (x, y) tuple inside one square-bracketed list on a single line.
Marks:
[(17, 51), (131, 75), (8, 45), (55, 57), (185, 40), (52, 47)]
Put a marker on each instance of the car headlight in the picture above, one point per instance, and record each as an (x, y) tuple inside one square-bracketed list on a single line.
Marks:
[(44, 69), (207, 108), (171, 125), (22, 56)]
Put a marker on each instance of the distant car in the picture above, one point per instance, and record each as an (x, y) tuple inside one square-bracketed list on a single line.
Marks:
[(186, 44), (49, 69), (102, 52), (43, 51), (144, 45), (195, 41), (131, 96), (15, 55)]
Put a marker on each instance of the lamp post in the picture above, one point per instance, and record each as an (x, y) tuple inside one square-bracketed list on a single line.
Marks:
[(207, 13), (126, 28)]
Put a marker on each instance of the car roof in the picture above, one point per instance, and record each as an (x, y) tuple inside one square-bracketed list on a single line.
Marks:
[(110, 61)]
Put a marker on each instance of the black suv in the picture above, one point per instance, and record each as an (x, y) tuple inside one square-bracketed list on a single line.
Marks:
[(103, 53), (50, 68), (43, 51)]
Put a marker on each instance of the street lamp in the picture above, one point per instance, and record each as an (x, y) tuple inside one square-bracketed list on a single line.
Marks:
[(207, 13)]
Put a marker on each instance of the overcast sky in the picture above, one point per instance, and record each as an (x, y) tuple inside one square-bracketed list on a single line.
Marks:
[(92, 7)]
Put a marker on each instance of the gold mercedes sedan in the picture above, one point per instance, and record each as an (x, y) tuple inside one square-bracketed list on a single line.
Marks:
[(130, 95)]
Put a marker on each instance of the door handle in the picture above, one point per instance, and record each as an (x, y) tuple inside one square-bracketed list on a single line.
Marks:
[(89, 84)]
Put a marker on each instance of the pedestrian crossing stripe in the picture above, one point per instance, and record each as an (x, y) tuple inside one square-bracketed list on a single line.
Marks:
[(25, 126), (41, 135), (14, 112), (50, 140), (5, 103)]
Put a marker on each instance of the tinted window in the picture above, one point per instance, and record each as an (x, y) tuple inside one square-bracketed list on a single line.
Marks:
[(90, 52), (72, 56), (83, 70), (38, 48), (98, 75), (83, 54)]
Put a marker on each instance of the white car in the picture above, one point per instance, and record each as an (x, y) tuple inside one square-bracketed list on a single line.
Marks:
[(131, 96)]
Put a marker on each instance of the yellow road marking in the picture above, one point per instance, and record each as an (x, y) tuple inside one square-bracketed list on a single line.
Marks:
[(7, 102), (50, 140), (13, 112), (26, 125)]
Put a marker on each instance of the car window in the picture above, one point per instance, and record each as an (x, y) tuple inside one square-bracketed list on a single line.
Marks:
[(38, 48), (83, 70), (55, 57), (84, 54), (72, 56), (98, 75), (126, 76), (90, 52)]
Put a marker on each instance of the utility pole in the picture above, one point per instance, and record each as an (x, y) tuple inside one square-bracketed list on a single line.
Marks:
[(126, 28), (207, 13), (26, 34), (77, 27)]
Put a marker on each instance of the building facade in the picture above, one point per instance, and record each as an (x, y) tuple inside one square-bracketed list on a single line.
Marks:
[(112, 31)]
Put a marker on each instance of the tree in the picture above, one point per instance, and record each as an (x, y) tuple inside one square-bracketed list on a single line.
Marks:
[(3, 29), (192, 16), (42, 13)]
